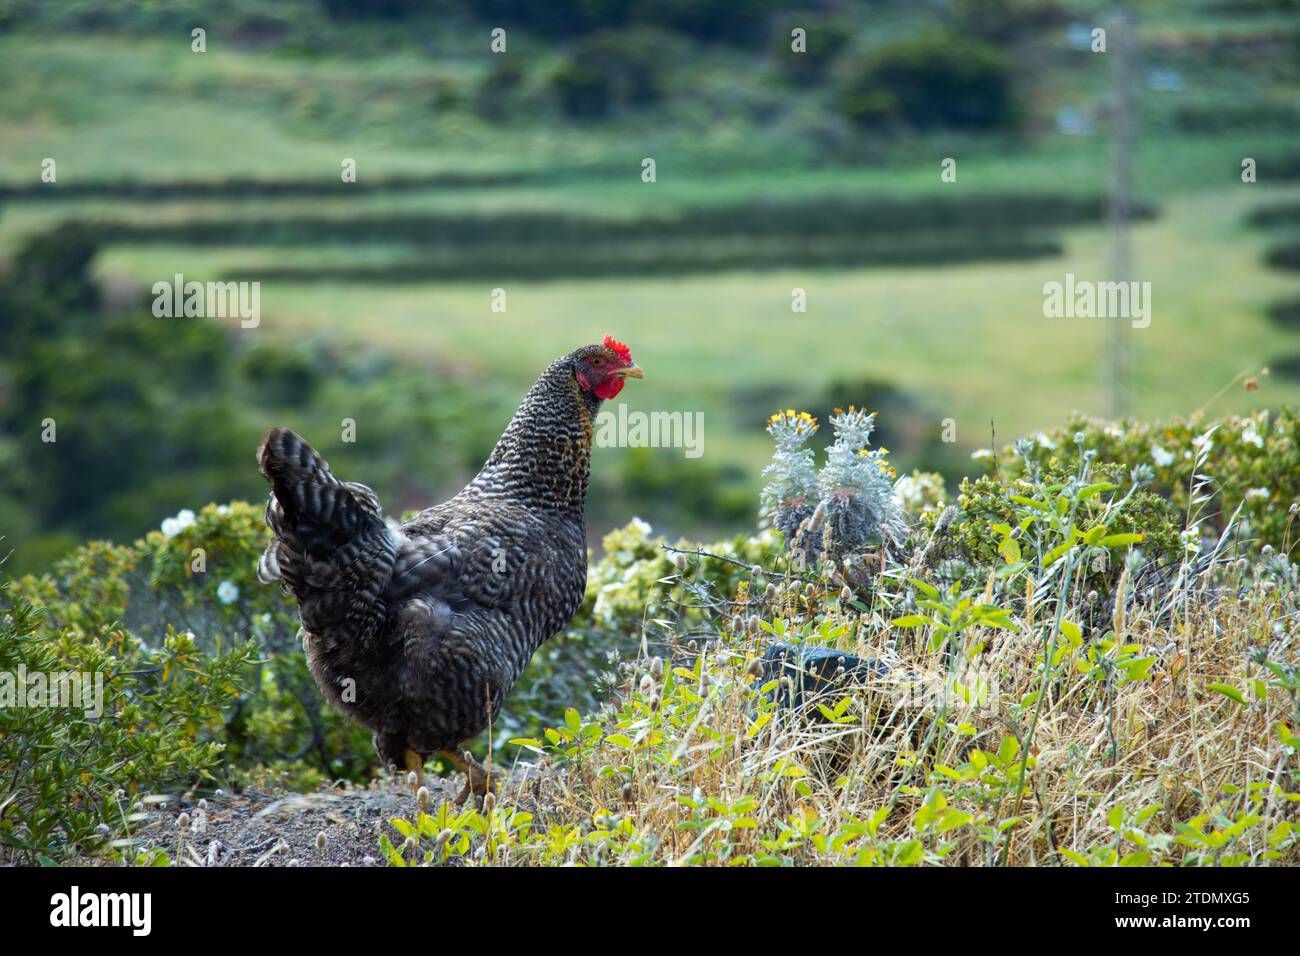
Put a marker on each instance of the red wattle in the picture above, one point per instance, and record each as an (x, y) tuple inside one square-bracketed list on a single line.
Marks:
[(609, 388)]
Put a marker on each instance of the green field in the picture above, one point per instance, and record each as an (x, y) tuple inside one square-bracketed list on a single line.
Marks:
[(972, 340), (964, 341)]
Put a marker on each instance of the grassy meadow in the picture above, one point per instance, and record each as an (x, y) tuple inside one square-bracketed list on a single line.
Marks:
[(966, 341)]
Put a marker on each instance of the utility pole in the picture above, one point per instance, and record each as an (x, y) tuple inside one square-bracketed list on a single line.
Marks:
[(1121, 48)]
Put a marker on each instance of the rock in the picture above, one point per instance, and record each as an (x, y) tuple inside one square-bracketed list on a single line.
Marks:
[(813, 672)]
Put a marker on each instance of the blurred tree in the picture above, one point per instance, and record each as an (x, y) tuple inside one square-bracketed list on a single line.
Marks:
[(935, 79), (611, 70)]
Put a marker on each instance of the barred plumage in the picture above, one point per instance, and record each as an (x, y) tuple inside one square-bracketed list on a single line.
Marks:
[(419, 632)]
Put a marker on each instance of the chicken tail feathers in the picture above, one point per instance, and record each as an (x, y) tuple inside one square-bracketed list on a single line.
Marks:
[(331, 548)]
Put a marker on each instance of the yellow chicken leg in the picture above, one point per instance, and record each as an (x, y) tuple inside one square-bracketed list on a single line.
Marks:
[(479, 780), (415, 765)]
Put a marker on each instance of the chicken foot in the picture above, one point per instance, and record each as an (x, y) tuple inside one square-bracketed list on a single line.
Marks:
[(479, 780)]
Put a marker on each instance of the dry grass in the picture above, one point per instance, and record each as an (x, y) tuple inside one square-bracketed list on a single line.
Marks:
[(690, 767)]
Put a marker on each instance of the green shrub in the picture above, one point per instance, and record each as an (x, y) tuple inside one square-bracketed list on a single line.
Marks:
[(1253, 461), (609, 71), (826, 35), (200, 574), (71, 773), (936, 79), (993, 511), (499, 89)]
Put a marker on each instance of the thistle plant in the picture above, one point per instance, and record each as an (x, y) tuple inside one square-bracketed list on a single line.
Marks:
[(846, 509), (857, 488), (791, 492)]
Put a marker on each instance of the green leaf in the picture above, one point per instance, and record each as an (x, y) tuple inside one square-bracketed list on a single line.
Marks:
[(929, 590), (1051, 556), (1139, 668), (1227, 690), (876, 819), (1120, 540), (1072, 632), (1088, 491), (1029, 502), (953, 819), (390, 852), (912, 620)]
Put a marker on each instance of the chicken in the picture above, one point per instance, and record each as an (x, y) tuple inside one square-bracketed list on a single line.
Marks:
[(419, 631)]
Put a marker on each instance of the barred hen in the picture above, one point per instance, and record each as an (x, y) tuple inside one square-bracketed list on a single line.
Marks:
[(419, 631)]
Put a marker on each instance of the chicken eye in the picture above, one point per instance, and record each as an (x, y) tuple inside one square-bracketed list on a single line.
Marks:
[(597, 361)]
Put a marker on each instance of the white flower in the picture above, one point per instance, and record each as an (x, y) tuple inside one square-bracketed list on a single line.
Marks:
[(174, 526), (1256, 493), (227, 592), (1250, 436), (1044, 441), (1114, 431), (1161, 457), (981, 453), (224, 511), (640, 527)]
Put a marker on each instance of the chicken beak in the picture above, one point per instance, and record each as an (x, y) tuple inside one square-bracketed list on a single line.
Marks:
[(629, 371)]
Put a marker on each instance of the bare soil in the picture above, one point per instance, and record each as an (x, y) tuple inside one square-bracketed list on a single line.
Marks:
[(333, 827)]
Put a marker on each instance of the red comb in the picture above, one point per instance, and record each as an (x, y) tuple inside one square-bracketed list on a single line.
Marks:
[(614, 345)]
